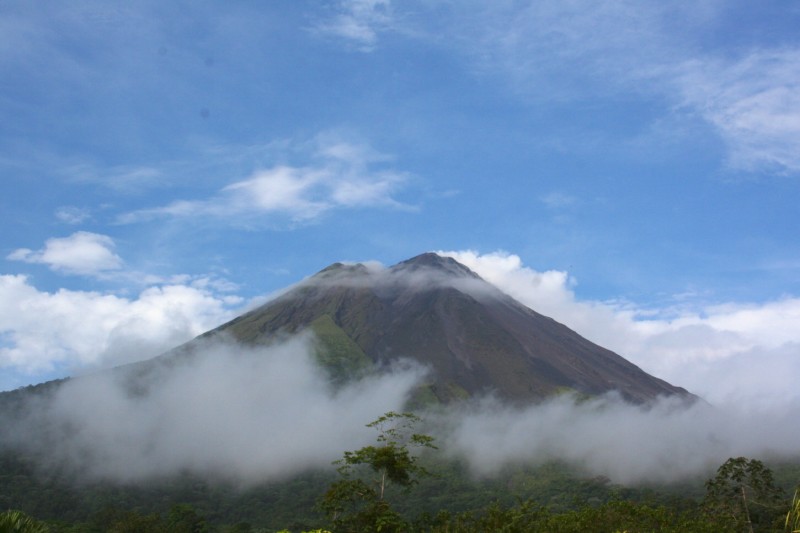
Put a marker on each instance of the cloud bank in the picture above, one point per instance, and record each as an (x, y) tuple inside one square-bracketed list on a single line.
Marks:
[(665, 442), (246, 415), (76, 330)]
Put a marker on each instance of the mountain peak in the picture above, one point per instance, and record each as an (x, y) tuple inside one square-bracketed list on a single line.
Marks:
[(342, 269), (435, 262)]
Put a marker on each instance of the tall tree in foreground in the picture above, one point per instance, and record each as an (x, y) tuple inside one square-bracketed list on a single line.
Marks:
[(358, 502), (744, 493)]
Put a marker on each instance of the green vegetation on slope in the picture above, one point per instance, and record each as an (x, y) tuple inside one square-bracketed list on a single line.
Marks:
[(337, 353)]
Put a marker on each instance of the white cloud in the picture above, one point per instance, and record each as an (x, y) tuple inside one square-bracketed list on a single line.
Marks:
[(81, 253), (721, 352), (69, 330), (341, 176), (279, 189)]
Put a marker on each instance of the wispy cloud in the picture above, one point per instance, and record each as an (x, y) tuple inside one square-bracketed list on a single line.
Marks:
[(576, 50), (560, 50), (558, 200), (121, 178), (753, 102), (358, 22), (81, 253), (69, 214), (341, 175)]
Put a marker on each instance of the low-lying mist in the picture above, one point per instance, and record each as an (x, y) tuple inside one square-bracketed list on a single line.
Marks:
[(252, 414), (666, 441), (228, 412)]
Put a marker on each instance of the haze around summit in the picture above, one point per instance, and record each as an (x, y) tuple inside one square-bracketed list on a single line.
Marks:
[(628, 168)]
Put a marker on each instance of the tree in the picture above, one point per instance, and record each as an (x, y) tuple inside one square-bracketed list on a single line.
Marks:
[(357, 502), (743, 492)]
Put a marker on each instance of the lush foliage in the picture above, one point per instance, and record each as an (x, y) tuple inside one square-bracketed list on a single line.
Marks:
[(624, 513), (612, 517)]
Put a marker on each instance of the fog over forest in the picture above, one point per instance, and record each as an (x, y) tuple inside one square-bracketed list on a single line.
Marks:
[(246, 415)]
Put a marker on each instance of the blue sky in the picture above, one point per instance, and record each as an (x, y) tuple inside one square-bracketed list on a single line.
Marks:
[(631, 168)]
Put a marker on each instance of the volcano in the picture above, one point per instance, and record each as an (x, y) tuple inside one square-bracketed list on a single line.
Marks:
[(473, 338)]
